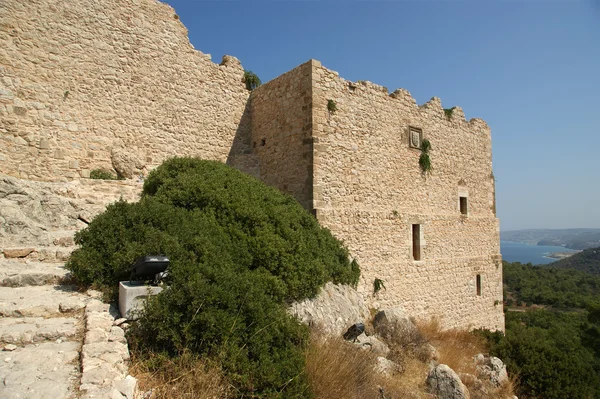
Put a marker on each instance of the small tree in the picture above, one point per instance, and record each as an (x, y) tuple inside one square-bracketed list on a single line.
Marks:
[(252, 80)]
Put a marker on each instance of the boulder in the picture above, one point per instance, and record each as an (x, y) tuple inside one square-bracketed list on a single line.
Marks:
[(491, 368), (372, 344), (333, 310), (394, 325), (444, 383), (126, 162), (387, 367)]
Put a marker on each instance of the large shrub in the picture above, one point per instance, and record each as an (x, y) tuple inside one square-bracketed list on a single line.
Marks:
[(239, 251)]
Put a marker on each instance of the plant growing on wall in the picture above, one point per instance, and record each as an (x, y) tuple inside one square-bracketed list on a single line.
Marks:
[(448, 112), (252, 80), (378, 285), (424, 160), (331, 106)]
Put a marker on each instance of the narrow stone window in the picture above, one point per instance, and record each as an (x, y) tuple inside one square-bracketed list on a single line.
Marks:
[(479, 285), (416, 241), (463, 205)]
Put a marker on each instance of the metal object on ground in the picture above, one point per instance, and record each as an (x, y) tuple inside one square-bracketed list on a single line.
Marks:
[(151, 267), (354, 331)]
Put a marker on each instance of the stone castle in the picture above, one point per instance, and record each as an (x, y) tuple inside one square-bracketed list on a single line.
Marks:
[(107, 84)]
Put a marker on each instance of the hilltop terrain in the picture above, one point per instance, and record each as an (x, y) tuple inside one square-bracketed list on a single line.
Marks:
[(587, 260), (568, 238)]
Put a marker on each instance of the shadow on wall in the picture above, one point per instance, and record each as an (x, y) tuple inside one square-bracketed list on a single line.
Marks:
[(241, 155)]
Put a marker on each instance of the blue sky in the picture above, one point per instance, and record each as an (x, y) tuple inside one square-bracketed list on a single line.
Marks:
[(531, 69)]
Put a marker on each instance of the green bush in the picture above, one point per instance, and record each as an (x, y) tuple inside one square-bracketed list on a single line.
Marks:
[(239, 251), (546, 351), (252, 80), (102, 174)]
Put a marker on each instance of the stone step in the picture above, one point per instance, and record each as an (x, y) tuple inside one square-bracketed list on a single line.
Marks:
[(46, 370), (14, 273), (51, 253), (40, 301), (24, 330)]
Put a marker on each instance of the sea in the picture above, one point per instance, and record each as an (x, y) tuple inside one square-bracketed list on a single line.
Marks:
[(524, 253)]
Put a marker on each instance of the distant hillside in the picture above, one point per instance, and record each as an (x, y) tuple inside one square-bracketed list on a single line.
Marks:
[(568, 238), (587, 260)]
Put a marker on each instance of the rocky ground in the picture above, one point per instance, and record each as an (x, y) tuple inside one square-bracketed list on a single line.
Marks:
[(56, 342)]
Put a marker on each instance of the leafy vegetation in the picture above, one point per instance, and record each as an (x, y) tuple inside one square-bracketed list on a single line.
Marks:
[(239, 251), (546, 350), (449, 112), (424, 160), (331, 106), (378, 285), (550, 286), (587, 260), (554, 350), (252, 80), (102, 174)]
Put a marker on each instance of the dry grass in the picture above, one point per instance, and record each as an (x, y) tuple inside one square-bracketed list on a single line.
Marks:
[(184, 377), (408, 385), (456, 348), (338, 369)]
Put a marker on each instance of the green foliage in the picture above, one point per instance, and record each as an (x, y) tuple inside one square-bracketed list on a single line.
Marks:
[(449, 112), (239, 252), (556, 354), (331, 106), (102, 174), (587, 260), (378, 285), (550, 286), (545, 350), (424, 160), (252, 80)]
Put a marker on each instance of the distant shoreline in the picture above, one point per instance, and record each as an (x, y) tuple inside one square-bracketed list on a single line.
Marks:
[(561, 255)]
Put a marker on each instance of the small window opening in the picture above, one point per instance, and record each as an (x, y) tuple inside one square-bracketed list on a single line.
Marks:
[(416, 241), (479, 284), (463, 205)]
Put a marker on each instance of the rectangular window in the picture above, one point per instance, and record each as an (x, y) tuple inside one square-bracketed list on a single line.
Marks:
[(463, 205), (416, 241), (479, 284)]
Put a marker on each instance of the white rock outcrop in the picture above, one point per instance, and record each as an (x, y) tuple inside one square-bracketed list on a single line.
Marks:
[(444, 383), (333, 310)]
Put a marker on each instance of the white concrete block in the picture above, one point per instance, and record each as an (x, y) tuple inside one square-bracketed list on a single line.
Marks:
[(132, 296)]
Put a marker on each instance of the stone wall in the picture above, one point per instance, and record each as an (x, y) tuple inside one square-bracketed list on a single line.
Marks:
[(281, 113), (369, 190), (91, 83)]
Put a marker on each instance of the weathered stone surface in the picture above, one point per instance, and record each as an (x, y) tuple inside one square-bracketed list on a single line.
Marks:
[(20, 274), (492, 369), (127, 386), (42, 217), (17, 252), (372, 344), (47, 370), (333, 310), (37, 329), (126, 163), (39, 301), (190, 106), (387, 367), (444, 383), (395, 325)]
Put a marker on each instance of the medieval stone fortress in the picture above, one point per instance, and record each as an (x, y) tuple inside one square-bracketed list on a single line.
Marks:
[(105, 84)]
